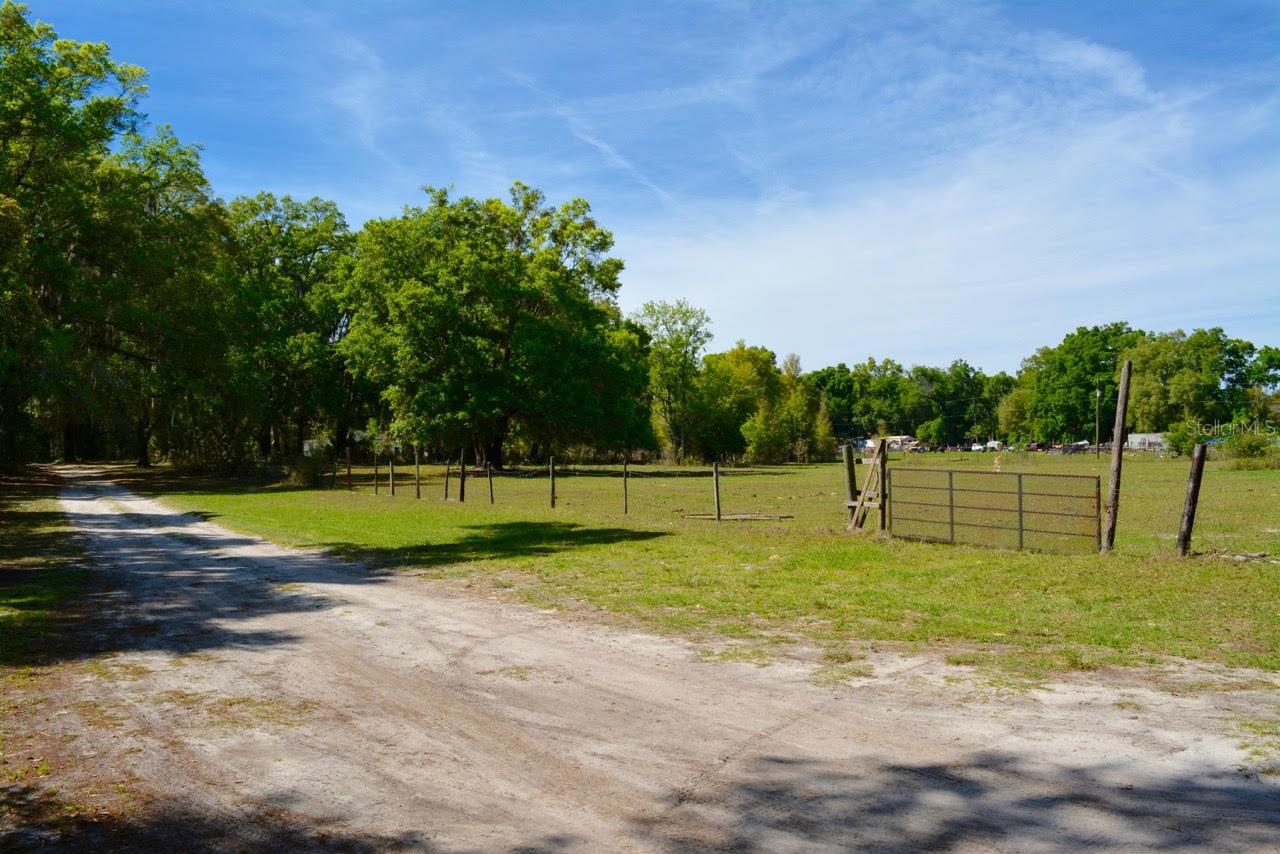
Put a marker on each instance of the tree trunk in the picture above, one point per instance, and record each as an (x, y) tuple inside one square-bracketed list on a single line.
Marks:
[(493, 446), (493, 453), (143, 435), (68, 441), (341, 437), (88, 441)]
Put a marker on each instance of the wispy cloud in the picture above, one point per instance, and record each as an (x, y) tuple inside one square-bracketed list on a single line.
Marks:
[(762, 169), (584, 133), (1114, 68), (471, 152), (362, 92), (351, 76)]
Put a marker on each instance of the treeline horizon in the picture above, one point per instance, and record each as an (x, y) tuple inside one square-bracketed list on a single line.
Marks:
[(142, 316)]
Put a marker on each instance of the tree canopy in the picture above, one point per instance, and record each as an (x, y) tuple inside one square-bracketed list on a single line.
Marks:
[(480, 318)]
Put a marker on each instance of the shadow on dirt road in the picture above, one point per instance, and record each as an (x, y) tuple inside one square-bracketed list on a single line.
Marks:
[(774, 804)]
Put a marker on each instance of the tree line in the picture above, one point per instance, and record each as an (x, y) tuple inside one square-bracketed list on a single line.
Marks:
[(1181, 382), (140, 314)]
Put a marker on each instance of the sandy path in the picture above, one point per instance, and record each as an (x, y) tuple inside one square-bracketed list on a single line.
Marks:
[(281, 699)]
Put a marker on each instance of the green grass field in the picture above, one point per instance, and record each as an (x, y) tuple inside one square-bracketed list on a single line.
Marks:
[(806, 578)]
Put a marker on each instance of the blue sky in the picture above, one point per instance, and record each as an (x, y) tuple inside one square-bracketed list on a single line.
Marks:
[(925, 181)]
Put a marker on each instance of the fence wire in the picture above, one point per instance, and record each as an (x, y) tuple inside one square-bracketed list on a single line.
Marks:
[(1045, 512)]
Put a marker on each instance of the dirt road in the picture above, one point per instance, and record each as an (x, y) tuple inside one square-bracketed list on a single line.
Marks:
[(275, 699)]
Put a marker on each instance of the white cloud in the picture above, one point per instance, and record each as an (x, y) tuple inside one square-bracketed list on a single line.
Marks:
[(1116, 68), (581, 131)]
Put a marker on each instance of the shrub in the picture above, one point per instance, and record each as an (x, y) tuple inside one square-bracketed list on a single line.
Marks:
[(1182, 438), (308, 471), (1268, 462), (1249, 445), (766, 437)]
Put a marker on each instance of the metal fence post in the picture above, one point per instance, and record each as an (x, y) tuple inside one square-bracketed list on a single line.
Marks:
[(462, 477), (1097, 511), (884, 484), (715, 486), (888, 476), (551, 468), (1021, 526), (850, 478), (951, 504)]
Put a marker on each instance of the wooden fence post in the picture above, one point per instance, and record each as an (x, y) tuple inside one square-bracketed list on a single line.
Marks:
[(462, 477), (1117, 458), (375, 471), (551, 468), (488, 468), (446, 480), (626, 476), (417, 473), (348, 465), (1193, 498), (874, 490), (391, 470), (715, 486), (850, 478)]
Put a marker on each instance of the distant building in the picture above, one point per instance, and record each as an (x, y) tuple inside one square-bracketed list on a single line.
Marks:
[(1146, 442)]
